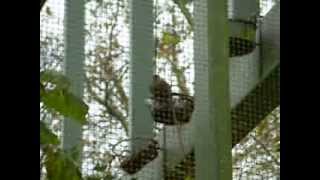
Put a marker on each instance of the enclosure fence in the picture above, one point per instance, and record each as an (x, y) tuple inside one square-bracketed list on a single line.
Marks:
[(176, 89)]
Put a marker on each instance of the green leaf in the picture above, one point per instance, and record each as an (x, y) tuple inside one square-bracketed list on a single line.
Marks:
[(59, 166), (276, 146), (42, 90), (170, 39), (54, 99), (74, 152), (100, 167), (75, 107), (46, 136), (57, 78), (188, 178), (182, 2), (108, 177), (93, 177), (66, 103)]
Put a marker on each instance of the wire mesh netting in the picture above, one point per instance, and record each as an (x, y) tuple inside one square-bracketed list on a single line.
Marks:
[(109, 141), (106, 86), (51, 58)]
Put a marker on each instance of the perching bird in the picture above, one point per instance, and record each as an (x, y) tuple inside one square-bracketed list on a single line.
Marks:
[(160, 89), (161, 99), (168, 106)]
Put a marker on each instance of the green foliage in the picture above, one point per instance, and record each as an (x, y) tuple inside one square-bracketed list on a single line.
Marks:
[(170, 39), (99, 167), (181, 2), (106, 176), (189, 178), (66, 103), (55, 78), (60, 165), (74, 152), (93, 178), (61, 99), (46, 136), (42, 90), (276, 146)]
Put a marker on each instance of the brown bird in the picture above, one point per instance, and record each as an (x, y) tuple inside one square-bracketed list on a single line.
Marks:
[(168, 107), (160, 89), (161, 96)]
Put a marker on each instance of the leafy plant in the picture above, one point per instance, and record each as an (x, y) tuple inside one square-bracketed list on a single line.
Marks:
[(170, 39), (60, 98), (60, 164), (46, 136), (56, 78)]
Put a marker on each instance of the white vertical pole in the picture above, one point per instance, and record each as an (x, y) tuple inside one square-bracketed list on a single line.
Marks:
[(212, 113), (73, 65), (142, 51)]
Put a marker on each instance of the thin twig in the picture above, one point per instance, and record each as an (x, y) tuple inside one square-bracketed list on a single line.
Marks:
[(111, 109)]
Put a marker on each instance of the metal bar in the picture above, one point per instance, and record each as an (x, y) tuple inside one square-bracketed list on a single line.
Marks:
[(212, 118), (142, 51), (73, 65)]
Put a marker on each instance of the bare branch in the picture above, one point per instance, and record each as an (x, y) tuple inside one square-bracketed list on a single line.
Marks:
[(184, 10), (178, 71), (110, 108), (111, 77)]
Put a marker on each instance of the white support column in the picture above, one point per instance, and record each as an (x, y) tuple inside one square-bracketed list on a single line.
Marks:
[(270, 33), (245, 71), (212, 123), (73, 65), (243, 9), (141, 66)]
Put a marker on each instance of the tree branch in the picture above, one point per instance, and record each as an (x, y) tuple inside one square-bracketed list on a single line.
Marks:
[(185, 12), (107, 66), (110, 108), (178, 72)]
